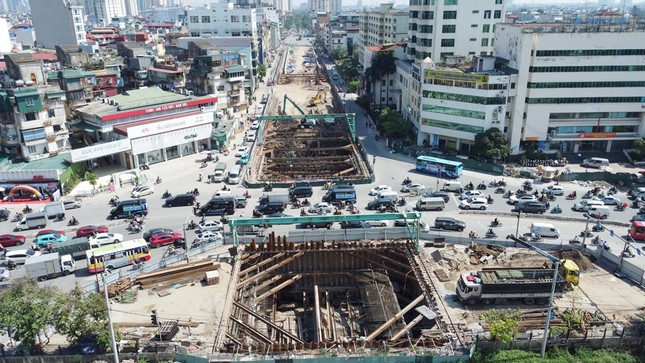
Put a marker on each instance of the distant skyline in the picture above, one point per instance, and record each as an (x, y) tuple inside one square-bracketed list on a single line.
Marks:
[(296, 3)]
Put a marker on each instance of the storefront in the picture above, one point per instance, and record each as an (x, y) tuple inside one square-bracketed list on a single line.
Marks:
[(30, 184)]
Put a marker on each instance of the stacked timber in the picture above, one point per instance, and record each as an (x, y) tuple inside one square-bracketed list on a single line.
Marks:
[(169, 276)]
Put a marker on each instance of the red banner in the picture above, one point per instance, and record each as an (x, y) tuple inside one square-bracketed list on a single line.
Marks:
[(596, 135)]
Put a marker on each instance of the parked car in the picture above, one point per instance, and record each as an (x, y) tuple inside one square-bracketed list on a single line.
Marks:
[(88, 231), (472, 194), (449, 223), (7, 240), (142, 191), (474, 203), (19, 256), (106, 238), (50, 231), (514, 199), (210, 226), (71, 204), (241, 151), (151, 232), (321, 208), (4, 214), (380, 188), (163, 239), (611, 200)]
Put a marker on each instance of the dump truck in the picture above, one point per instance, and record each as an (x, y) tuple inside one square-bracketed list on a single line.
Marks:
[(529, 285), (49, 265), (75, 247), (31, 221)]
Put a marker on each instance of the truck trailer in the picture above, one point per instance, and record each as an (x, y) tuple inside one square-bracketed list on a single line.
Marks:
[(31, 221), (53, 209), (75, 247), (49, 265), (490, 286)]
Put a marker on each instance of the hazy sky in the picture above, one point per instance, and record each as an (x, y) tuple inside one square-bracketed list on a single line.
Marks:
[(376, 2)]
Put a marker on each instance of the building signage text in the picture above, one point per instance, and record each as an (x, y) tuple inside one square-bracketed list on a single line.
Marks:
[(171, 138), (596, 135), (98, 150), (154, 128), (456, 76)]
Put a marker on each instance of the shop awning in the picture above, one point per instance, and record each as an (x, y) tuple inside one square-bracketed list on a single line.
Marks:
[(85, 126)]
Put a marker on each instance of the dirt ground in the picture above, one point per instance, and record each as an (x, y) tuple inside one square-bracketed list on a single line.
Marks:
[(196, 303)]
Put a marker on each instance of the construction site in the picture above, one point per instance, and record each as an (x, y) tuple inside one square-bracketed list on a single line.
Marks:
[(305, 134)]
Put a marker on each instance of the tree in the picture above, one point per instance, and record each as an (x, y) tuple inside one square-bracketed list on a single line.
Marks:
[(383, 64), (352, 86), (392, 125), (502, 323), (79, 315), (92, 178), (639, 147), (491, 144), (262, 70), (29, 310)]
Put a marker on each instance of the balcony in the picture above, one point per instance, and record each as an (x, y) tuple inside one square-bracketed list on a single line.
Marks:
[(26, 125)]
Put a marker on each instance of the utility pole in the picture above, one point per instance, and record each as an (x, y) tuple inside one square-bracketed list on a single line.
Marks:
[(109, 314)]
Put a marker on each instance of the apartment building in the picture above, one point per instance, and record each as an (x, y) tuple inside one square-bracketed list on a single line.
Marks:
[(101, 12), (441, 28), (329, 7), (579, 87), (383, 26), (69, 24)]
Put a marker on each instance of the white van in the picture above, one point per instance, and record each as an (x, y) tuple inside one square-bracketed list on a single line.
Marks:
[(390, 196), (234, 174), (599, 211), (250, 137), (545, 230), (432, 203), (595, 162), (452, 186)]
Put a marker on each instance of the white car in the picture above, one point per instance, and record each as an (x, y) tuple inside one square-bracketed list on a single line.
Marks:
[(255, 125), (611, 200), (412, 186), (474, 203), (378, 223), (19, 256), (142, 191), (208, 236), (380, 188), (4, 274), (321, 208), (101, 239), (241, 151), (210, 226), (522, 198), (554, 190), (72, 204), (472, 194)]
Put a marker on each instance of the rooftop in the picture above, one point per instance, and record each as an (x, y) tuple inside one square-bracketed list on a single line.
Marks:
[(589, 25), (59, 162), (20, 57)]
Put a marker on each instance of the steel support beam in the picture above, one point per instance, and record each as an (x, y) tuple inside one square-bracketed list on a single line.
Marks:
[(265, 272), (410, 325), (268, 322), (252, 331), (278, 288), (393, 320)]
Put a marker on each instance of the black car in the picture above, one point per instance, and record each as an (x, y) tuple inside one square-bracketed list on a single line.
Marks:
[(180, 199), (147, 235), (376, 204), (444, 195), (304, 191), (354, 224), (313, 225), (270, 208), (4, 214), (531, 207), (449, 223)]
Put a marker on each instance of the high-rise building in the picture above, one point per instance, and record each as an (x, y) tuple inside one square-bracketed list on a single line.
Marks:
[(383, 26), (101, 12), (5, 41), (440, 28), (330, 7), (131, 8), (69, 24)]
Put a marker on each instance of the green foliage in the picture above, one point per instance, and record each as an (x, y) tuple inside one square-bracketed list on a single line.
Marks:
[(338, 53), (502, 323), (556, 356), (639, 147), (491, 144), (262, 70), (353, 86), (383, 63), (30, 309), (297, 20), (392, 125), (71, 183), (91, 177), (348, 68)]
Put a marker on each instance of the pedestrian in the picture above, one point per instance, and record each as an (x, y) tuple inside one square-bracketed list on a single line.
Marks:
[(373, 160), (200, 177)]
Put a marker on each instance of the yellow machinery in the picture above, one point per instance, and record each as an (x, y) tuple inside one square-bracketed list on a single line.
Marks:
[(317, 99)]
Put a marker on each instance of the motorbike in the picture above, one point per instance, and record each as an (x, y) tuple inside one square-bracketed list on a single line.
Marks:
[(571, 196), (628, 253), (203, 165), (26, 209), (166, 194), (268, 188), (158, 181), (494, 224), (247, 194), (612, 191), (556, 210), (527, 186), (72, 222), (401, 202), (191, 225), (490, 234), (586, 233), (599, 227), (508, 194), (500, 190), (17, 217), (619, 207), (469, 186), (406, 181), (489, 199), (59, 217), (305, 203), (194, 192), (134, 229), (256, 213), (296, 204), (481, 186)]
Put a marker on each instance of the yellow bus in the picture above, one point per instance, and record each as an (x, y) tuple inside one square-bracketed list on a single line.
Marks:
[(117, 255)]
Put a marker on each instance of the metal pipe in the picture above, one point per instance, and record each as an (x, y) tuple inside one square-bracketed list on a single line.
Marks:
[(109, 314), (556, 267)]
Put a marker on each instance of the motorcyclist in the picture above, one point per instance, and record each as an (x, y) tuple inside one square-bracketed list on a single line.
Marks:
[(60, 216), (557, 207), (305, 202), (158, 180), (490, 232), (73, 221), (495, 222)]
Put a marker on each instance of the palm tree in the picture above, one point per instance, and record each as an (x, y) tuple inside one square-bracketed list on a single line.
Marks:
[(383, 64)]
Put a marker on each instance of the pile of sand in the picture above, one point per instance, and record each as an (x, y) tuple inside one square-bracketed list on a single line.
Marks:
[(583, 260)]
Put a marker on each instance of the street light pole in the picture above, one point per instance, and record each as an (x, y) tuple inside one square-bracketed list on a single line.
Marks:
[(517, 228), (584, 238), (109, 314), (556, 267)]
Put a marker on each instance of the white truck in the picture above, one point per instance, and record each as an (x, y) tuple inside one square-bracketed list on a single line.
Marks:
[(31, 221), (53, 209), (49, 265)]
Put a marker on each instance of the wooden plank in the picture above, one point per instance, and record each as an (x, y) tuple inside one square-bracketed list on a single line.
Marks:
[(252, 331), (268, 322), (278, 288), (262, 263), (393, 320), (410, 325), (268, 282), (274, 267)]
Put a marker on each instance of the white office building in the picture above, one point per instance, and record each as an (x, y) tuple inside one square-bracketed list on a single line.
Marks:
[(329, 7), (68, 27), (386, 25), (102, 11), (440, 28), (579, 87)]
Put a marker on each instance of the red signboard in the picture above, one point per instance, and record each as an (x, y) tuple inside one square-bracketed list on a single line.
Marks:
[(596, 135), (154, 109)]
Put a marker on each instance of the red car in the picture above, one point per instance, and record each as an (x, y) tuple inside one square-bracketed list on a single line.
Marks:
[(88, 231), (11, 240), (163, 239), (50, 231)]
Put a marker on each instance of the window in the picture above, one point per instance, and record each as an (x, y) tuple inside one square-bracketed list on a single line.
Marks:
[(450, 2), (425, 29), (427, 15), (206, 19), (448, 28), (235, 19), (246, 18), (473, 40), (194, 19), (31, 149), (29, 102), (486, 14), (484, 42), (31, 135), (497, 14), (485, 28), (474, 25), (51, 113), (475, 11), (450, 15), (498, 2), (447, 42)]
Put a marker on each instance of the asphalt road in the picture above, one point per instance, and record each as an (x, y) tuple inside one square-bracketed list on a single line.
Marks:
[(181, 175)]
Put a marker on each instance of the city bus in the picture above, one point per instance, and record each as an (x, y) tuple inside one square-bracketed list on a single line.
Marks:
[(117, 255), (440, 167)]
